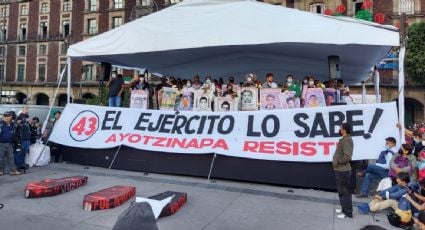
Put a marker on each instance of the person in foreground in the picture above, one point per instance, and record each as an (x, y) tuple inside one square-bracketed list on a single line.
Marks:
[(341, 165), (393, 197)]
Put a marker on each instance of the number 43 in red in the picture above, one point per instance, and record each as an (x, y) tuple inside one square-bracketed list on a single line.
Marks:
[(86, 126)]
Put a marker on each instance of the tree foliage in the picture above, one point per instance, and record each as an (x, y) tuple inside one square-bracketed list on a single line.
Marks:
[(415, 54), (103, 98)]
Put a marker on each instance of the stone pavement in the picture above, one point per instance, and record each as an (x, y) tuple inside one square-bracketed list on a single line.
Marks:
[(217, 205)]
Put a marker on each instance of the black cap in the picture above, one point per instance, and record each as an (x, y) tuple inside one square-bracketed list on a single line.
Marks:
[(7, 114)]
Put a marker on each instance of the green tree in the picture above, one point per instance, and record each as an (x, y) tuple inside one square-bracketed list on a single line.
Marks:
[(103, 99), (415, 54)]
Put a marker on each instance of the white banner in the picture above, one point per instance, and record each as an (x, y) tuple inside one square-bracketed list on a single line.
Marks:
[(307, 134)]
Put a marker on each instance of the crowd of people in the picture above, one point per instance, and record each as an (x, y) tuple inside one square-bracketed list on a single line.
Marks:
[(400, 172), (195, 94), (17, 133)]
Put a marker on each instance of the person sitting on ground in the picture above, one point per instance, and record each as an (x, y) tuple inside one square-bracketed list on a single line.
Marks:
[(421, 165), (389, 197), (416, 197), (420, 221), (403, 161), (380, 169)]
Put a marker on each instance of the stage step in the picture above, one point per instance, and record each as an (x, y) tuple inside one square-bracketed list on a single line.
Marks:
[(53, 187), (176, 203), (108, 198)]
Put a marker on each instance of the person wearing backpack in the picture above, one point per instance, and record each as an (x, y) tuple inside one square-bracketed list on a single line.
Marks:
[(7, 142), (380, 169)]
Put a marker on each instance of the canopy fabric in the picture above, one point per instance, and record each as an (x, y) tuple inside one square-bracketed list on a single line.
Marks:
[(236, 37)]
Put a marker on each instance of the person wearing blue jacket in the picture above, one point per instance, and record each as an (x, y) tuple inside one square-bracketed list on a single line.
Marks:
[(380, 169), (389, 197)]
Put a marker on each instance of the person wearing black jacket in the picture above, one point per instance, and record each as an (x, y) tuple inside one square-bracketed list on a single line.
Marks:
[(8, 142), (418, 142), (35, 130), (23, 133)]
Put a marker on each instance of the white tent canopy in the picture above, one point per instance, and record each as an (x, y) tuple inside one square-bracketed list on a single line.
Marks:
[(235, 37)]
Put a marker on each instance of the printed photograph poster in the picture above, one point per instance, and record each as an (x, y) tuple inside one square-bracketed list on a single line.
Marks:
[(270, 99), (203, 101), (249, 98), (185, 102), (224, 104), (289, 101), (330, 96), (168, 98), (314, 98), (236, 88), (139, 99)]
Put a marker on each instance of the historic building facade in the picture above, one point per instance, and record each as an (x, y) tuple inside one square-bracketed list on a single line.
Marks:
[(34, 38), (385, 12), (35, 35)]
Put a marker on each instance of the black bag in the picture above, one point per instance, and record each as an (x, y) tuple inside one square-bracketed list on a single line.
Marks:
[(139, 216), (394, 219)]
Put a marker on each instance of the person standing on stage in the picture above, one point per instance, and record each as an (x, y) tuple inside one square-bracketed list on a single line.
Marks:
[(341, 165)]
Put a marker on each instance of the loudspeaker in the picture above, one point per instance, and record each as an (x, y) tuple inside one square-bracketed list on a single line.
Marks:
[(105, 71), (334, 68)]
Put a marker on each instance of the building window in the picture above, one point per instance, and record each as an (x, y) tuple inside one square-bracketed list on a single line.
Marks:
[(4, 12), (42, 50), (406, 6), (91, 26), (2, 51), (65, 28), (1, 72), (22, 50), (41, 72), (92, 5), (44, 8), (318, 8), (43, 30), (63, 49), (21, 72), (66, 5), (24, 10), (357, 6), (117, 4), (23, 32), (116, 21), (3, 35), (89, 72)]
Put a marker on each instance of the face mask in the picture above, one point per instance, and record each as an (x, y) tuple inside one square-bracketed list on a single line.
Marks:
[(188, 84), (416, 140), (311, 82), (387, 147), (305, 82), (423, 143), (208, 81), (249, 79), (289, 80), (114, 75)]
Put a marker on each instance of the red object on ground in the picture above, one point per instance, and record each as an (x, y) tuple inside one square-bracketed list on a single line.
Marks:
[(176, 203), (379, 18), (341, 8), (53, 187), (108, 198)]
